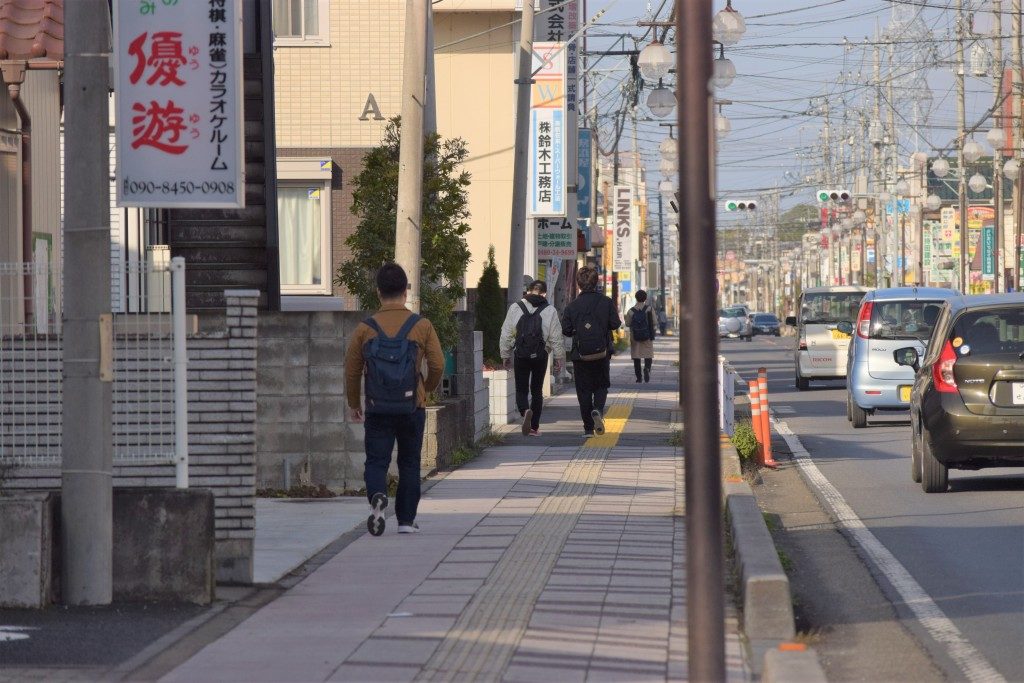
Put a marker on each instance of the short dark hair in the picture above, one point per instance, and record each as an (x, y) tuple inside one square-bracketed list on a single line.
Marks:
[(391, 280), (586, 278), (641, 295), (538, 286)]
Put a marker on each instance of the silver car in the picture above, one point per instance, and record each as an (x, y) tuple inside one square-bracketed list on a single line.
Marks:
[(889, 319), (734, 321)]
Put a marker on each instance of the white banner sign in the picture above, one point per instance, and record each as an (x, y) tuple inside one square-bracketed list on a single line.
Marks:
[(548, 132), (622, 256), (179, 118), (556, 238)]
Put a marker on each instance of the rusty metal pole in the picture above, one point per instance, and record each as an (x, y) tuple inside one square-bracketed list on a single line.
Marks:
[(698, 348)]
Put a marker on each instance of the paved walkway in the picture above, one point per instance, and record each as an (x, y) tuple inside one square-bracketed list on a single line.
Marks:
[(545, 559)]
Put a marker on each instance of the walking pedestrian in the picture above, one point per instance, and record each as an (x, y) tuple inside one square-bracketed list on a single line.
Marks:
[(530, 335), (640, 321), (662, 322), (389, 349), (589, 320)]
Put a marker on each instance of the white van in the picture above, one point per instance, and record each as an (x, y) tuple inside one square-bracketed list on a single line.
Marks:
[(822, 350)]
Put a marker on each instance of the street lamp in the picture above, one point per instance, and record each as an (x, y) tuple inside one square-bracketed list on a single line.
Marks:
[(728, 26), (667, 167), (661, 101), (1011, 169), (977, 183), (994, 138), (669, 150), (725, 71), (654, 61), (902, 187), (667, 187), (722, 126), (940, 167), (972, 151), (859, 217), (933, 202)]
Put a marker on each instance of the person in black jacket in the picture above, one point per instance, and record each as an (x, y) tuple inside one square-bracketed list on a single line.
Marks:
[(589, 320)]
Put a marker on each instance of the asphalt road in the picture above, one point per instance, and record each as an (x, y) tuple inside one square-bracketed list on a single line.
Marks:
[(963, 548)]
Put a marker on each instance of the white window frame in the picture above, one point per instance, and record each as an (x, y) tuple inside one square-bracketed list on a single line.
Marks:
[(306, 172), (322, 37)]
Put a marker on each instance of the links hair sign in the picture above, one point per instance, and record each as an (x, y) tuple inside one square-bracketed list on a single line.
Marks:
[(622, 255), (178, 92)]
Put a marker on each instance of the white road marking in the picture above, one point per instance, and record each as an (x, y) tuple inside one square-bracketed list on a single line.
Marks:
[(784, 410), (971, 662), (12, 633)]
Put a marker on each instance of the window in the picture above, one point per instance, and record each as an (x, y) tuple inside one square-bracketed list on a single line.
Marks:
[(303, 220), (830, 307), (301, 22)]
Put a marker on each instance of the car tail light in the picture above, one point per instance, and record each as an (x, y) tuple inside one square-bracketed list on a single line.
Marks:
[(803, 344), (864, 319), (942, 371)]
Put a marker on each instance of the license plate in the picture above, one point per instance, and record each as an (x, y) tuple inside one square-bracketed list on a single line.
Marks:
[(836, 334), (1018, 393), (905, 394)]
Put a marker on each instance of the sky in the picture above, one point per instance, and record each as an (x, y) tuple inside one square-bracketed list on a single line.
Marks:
[(796, 56)]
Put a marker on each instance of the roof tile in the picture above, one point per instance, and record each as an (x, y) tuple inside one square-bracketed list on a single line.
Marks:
[(32, 29)]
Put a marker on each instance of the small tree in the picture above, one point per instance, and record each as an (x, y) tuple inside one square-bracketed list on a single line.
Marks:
[(444, 253), (490, 309)]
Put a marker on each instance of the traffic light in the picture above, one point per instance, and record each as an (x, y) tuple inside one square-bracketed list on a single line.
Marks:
[(741, 205), (834, 195)]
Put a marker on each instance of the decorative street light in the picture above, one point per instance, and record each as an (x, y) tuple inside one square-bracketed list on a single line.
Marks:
[(667, 167), (725, 71), (933, 202), (667, 187), (661, 101), (859, 217), (902, 187), (722, 126), (728, 25), (977, 183), (669, 150), (654, 61), (972, 151), (1011, 169), (940, 167), (994, 138)]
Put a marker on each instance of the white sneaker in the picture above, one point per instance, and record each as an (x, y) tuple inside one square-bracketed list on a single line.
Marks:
[(375, 522), (598, 422), (413, 528)]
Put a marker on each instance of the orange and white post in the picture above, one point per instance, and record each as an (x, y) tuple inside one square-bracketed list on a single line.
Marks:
[(753, 394), (766, 427)]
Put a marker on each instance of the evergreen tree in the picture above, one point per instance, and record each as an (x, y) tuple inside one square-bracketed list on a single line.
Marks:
[(444, 252), (490, 309)]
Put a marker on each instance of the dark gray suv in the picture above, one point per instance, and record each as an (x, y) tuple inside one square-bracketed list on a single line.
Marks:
[(967, 403)]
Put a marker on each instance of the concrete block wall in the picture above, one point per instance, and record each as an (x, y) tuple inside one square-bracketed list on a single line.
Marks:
[(222, 434)]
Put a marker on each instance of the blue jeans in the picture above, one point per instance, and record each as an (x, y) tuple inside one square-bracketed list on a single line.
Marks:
[(381, 433)]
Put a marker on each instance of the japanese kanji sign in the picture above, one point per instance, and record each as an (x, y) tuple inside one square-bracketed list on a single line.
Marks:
[(622, 256), (548, 132), (179, 118), (556, 238)]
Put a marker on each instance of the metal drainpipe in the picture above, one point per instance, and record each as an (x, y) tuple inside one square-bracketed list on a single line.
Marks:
[(14, 75)]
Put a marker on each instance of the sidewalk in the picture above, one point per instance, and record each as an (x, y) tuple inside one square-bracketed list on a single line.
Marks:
[(545, 559)]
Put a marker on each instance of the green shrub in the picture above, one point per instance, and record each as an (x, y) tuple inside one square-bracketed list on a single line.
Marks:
[(744, 440), (490, 309)]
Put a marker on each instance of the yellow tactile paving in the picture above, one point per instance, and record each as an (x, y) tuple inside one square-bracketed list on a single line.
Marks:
[(614, 424)]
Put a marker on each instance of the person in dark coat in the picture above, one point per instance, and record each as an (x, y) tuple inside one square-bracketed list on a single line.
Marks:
[(590, 316), (641, 349)]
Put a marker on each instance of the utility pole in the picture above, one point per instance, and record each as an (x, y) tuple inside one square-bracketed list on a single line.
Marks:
[(1018, 129), (517, 244), (961, 117), (87, 451), (410, 156), (661, 251), (698, 359), (638, 270), (892, 160), (880, 219), (997, 156)]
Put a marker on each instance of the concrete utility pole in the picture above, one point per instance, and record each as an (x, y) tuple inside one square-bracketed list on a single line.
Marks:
[(409, 215), (961, 116), (997, 156), (880, 220), (522, 149), (87, 451), (893, 163), (698, 358), (1018, 129)]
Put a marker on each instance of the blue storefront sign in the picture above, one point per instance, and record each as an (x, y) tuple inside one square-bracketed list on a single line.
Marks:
[(585, 173)]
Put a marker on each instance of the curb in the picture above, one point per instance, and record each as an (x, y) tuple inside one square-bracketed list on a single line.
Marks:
[(768, 622)]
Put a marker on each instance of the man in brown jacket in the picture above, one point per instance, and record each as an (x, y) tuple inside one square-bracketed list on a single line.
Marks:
[(383, 429)]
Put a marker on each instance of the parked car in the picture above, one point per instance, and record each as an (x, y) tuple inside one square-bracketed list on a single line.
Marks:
[(734, 321), (765, 323), (822, 348), (888, 319), (967, 402)]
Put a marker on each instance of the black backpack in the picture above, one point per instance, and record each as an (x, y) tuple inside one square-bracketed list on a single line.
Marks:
[(529, 342), (591, 334), (391, 373), (640, 325)]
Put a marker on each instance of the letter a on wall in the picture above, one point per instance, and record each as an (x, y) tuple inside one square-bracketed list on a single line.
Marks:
[(371, 108)]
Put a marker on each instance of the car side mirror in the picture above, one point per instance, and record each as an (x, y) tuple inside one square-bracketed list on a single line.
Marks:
[(791, 320), (846, 327), (907, 356)]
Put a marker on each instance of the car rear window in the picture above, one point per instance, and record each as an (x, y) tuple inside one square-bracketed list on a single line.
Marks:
[(904, 319), (733, 313), (830, 307), (983, 332), (765, 319)]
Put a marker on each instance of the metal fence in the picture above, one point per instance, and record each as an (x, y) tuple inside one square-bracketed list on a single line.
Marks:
[(150, 392)]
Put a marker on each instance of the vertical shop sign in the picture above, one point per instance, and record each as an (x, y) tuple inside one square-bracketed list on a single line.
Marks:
[(548, 131), (623, 228), (179, 119)]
